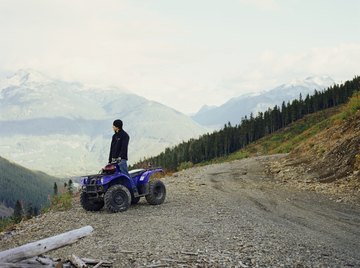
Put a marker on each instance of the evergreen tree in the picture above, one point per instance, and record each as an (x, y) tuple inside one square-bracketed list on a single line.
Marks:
[(18, 211), (36, 211), (29, 212), (70, 186), (55, 189)]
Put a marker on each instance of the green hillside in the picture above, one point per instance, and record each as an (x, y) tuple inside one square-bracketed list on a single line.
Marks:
[(19, 183), (288, 138), (285, 140)]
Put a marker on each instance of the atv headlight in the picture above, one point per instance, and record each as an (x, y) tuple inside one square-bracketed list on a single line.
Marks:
[(102, 180)]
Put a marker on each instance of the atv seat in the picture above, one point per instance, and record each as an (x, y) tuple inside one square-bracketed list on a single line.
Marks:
[(135, 172)]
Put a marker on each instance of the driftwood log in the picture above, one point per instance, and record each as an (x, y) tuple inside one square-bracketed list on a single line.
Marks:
[(78, 262), (35, 262), (39, 247)]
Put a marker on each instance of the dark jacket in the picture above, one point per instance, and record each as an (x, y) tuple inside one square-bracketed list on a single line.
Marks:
[(119, 145)]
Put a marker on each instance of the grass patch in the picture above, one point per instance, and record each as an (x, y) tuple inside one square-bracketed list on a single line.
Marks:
[(61, 202), (6, 223), (185, 165), (350, 108)]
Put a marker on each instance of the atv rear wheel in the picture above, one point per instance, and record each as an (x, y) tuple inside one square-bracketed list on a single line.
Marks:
[(157, 193), (90, 204), (117, 198)]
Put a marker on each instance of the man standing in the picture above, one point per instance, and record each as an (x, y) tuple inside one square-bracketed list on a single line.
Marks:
[(119, 147)]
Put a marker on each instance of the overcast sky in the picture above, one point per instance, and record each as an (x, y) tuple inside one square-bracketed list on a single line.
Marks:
[(182, 53)]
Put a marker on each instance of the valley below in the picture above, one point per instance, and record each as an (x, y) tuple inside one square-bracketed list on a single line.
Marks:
[(234, 214)]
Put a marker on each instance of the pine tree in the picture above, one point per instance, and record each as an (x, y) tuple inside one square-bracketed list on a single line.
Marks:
[(36, 211), (29, 211), (55, 189), (18, 211), (70, 186)]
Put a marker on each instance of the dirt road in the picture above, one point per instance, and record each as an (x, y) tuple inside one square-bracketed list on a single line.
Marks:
[(225, 215)]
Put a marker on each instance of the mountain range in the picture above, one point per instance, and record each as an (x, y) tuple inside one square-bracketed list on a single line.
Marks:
[(65, 128), (236, 108)]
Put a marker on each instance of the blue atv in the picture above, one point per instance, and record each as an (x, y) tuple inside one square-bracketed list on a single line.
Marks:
[(116, 191)]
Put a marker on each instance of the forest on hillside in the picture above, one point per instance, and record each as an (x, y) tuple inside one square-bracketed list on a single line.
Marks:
[(20, 184), (250, 128)]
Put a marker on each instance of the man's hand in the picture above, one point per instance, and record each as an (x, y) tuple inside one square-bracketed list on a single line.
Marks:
[(116, 160)]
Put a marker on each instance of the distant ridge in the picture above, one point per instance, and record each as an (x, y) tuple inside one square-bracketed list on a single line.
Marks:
[(233, 110), (65, 128)]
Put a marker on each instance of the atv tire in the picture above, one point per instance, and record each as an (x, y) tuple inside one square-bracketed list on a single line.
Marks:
[(117, 198), (90, 204), (157, 193)]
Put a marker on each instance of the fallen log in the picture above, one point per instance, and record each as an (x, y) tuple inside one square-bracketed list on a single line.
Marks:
[(98, 265), (23, 265), (94, 261), (39, 247), (79, 263)]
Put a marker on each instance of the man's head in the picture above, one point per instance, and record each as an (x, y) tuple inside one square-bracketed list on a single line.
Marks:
[(117, 125)]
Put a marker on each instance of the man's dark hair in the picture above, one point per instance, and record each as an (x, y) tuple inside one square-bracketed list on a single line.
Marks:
[(118, 123)]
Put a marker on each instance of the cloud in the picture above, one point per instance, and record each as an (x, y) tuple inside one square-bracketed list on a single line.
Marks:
[(271, 5), (272, 68), (89, 40), (182, 57), (342, 60)]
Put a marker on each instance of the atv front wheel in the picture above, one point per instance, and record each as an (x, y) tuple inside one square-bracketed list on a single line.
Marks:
[(90, 204), (117, 198), (157, 193)]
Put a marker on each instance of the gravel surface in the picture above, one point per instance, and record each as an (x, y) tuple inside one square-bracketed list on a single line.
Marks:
[(224, 215)]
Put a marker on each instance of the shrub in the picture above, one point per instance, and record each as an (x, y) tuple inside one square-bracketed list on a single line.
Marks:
[(61, 202), (6, 223), (185, 165)]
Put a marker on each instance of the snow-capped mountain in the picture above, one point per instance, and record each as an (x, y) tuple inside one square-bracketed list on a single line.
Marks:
[(239, 107), (65, 128)]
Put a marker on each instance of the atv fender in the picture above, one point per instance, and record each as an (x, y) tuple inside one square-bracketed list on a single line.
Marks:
[(144, 178), (118, 179)]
